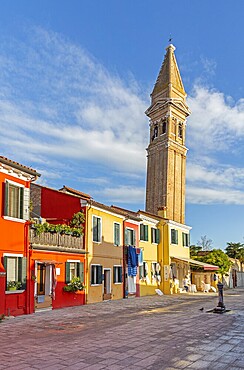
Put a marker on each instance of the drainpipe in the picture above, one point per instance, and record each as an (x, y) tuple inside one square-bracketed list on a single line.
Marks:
[(27, 254), (124, 261), (88, 206)]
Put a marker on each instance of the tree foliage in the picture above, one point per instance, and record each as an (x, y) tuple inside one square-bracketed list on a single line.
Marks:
[(219, 258), (236, 251), (194, 249)]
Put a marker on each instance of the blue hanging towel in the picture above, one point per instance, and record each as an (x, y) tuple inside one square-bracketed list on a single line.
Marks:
[(132, 256), (132, 261)]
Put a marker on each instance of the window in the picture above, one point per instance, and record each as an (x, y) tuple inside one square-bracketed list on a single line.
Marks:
[(154, 272), (96, 274), (15, 271), (180, 130), (155, 132), (130, 237), (155, 235), (174, 236), (116, 234), (97, 228), (143, 270), (164, 126), (16, 201), (74, 269), (118, 274), (185, 240), (144, 232)]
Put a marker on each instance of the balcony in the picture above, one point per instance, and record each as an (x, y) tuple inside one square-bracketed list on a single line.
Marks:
[(56, 242)]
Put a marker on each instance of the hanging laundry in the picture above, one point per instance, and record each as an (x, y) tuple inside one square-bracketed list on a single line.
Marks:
[(132, 261), (132, 256)]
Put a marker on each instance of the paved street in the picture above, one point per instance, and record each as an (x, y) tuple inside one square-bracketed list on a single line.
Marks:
[(167, 332)]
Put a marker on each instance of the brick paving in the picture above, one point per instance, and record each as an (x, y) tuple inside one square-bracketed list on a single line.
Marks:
[(157, 332)]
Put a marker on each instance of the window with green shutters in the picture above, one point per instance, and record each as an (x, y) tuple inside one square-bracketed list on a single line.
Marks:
[(14, 200), (15, 270), (96, 274), (96, 229), (116, 234), (74, 269), (144, 232), (155, 235), (130, 236), (185, 239), (117, 274), (174, 236)]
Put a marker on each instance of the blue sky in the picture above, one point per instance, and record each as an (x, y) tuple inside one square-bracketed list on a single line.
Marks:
[(76, 78)]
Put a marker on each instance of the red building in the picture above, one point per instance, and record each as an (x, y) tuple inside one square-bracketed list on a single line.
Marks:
[(55, 257), (15, 283)]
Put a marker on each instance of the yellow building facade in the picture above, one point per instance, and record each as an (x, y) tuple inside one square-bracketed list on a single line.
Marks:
[(173, 255), (149, 268), (104, 246)]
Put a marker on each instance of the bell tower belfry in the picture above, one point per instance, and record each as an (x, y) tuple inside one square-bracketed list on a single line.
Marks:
[(166, 163)]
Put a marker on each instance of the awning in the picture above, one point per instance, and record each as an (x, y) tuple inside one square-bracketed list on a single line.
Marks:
[(205, 266)]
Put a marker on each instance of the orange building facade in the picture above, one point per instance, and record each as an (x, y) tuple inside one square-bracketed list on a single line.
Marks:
[(15, 283)]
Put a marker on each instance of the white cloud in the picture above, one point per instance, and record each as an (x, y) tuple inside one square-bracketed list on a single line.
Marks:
[(215, 123), (205, 195), (62, 102), (123, 194), (216, 140)]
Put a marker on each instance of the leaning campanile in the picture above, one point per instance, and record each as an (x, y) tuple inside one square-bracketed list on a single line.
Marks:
[(166, 159)]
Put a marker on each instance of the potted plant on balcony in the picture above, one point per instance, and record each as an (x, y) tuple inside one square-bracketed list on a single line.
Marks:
[(75, 285), (13, 285)]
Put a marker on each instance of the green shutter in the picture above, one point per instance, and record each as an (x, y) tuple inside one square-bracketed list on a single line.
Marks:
[(67, 272), (141, 270), (142, 236), (99, 229), (157, 236), (146, 233), (19, 269), (6, 185), (80, 271), (99, 274), (95, 229), (176, 236), (93, 274), (126, 236), (134, 238), (23, 276), (5, 263), (21, 203), (120, 274), (114, 274), (116, 234)]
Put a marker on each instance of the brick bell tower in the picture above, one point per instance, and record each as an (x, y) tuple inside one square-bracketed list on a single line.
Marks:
[(166, 159)]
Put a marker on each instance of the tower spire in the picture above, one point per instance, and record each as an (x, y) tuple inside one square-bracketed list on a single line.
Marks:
[(169, 78)]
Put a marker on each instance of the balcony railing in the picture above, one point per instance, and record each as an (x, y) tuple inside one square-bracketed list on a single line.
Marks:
[(56, 241)]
